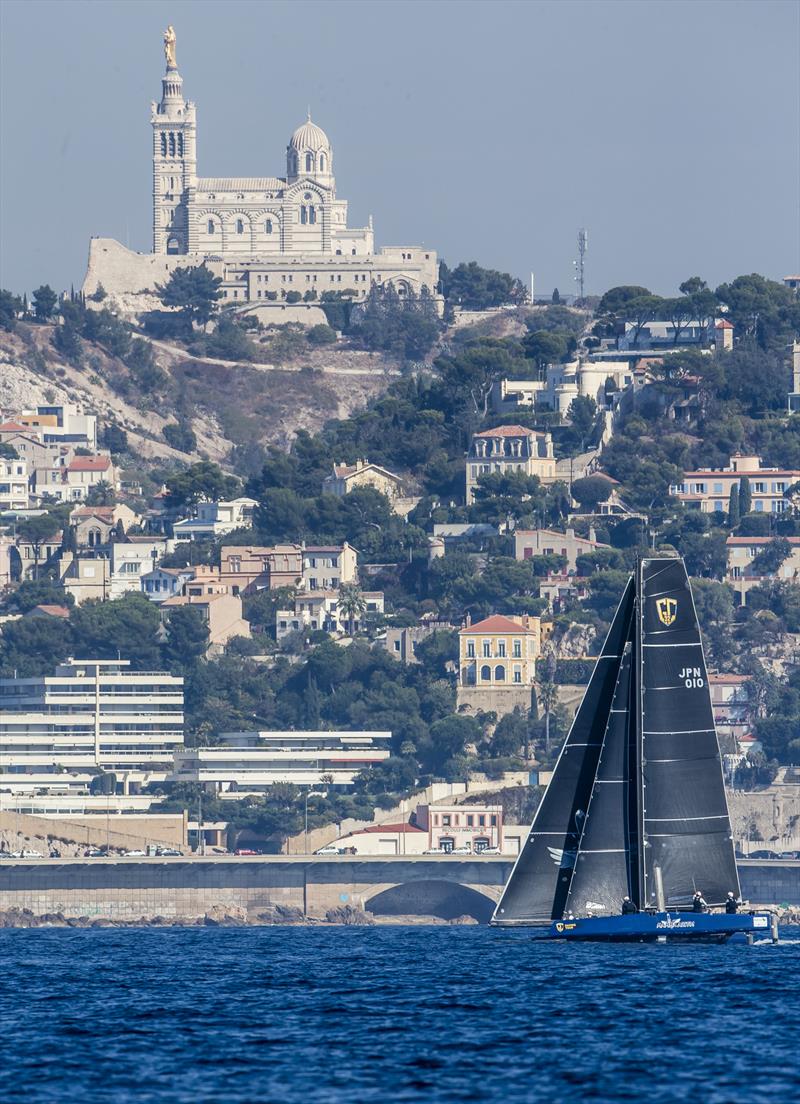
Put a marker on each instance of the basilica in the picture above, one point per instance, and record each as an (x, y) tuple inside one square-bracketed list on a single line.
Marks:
[(265, 236)]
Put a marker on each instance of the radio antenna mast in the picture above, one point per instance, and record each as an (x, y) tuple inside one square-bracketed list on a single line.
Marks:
[(583, 245)]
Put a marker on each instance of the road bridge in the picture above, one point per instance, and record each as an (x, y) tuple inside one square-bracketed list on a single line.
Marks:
[(429, 885)]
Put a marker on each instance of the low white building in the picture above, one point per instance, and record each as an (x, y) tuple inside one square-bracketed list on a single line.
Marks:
[(320, 610), (708, 489), (529, 543), (13, 484), (216, 519), (251, 762), (61, 732)]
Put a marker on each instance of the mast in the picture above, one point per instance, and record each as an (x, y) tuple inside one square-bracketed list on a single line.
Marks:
[(638, 863)]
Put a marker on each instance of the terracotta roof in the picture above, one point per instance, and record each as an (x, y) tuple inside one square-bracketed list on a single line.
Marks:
[(509, 431), (89, 463), (496, 624), (723, 324), (104, 513), (12, 427), (728, 678), (53, 611)]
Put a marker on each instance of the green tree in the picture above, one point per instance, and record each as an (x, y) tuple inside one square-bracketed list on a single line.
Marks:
[(770, 558), (44, 303), (10, 307), (187, 637), (582, 414), (194, 291), (592, 490), (547, 698), (733, 506), (127, 627), (37, 531), (745, 496), (477, 288), (616, 299), (200, 482), (352, 604), (511, 735), (101, 494), (545, 347)]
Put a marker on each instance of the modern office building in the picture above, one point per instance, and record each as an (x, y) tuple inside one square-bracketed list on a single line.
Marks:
[(92, 728), (251, 762)]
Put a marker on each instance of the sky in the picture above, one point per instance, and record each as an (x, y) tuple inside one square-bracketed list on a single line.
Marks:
[(487, 131)]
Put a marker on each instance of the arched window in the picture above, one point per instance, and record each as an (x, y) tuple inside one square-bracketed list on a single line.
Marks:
[(499, 673), (268, 226), (94, 538), (211, 226), (312, 214), (322, 162), (172, 143), (239, 226), (309, 162), (163, 144), (180, 145), (173, 246), (303, 214), (486, 673)]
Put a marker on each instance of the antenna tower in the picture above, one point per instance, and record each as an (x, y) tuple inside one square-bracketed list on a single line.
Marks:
[(583, 245)]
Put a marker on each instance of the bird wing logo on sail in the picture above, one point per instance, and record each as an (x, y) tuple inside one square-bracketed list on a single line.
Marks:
[(667, 609), (564, 859)]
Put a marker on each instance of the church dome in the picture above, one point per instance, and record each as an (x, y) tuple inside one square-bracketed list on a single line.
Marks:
[(309, 137)]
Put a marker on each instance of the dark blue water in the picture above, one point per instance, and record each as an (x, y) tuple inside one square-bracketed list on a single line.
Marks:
[(364, 1015)]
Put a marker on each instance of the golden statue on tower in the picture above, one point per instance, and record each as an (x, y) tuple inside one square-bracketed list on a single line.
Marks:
[(169, 47)]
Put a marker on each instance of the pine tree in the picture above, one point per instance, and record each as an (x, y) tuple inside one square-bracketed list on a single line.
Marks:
[(745, 497), (733, 506)]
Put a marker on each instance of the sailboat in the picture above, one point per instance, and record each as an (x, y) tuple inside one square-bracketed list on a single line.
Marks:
[(636, 805)]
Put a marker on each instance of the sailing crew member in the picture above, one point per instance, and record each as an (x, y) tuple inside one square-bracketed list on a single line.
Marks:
[(732, 904), (627, 906), (698, 904)]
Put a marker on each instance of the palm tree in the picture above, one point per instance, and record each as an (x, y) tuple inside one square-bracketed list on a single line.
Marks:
[(351, 604), (547, 697)]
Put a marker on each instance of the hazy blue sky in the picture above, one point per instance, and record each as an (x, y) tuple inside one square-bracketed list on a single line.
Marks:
[(490, 131)]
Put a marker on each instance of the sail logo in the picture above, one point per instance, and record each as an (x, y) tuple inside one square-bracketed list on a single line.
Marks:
[(667, 610), (692, 677)]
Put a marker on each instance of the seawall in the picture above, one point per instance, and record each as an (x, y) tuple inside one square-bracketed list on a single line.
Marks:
[(438, 885)]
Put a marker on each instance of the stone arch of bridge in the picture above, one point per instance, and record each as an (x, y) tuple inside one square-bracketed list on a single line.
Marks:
[(431, 897)]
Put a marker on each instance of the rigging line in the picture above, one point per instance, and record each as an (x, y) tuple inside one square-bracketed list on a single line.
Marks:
[(678, 732), (681, 819), (690, 644), (605, 851)]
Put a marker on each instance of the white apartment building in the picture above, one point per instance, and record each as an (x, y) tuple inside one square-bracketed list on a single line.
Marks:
[(91, 717), (320, 610), (13, 484), (708, 489), (251, 762), (216, 519)]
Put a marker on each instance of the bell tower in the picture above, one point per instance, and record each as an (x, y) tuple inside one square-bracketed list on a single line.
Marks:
[(174, 159)]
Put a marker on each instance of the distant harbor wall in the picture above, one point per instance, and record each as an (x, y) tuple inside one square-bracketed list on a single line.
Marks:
[(127, 889)]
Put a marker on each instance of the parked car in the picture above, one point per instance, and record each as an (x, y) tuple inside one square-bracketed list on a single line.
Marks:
[(93, 853), (328, 849), (168, 852), (135, 853), (488, 851), (762, 855), (435, 851), (26, 853), (465, 850), (789, 855), (246, 851)]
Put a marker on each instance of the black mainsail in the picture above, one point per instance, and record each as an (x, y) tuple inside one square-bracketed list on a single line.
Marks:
[(636, 804), (687, 829), (537, 889)]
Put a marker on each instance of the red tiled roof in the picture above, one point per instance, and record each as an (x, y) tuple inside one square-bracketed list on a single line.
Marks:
[(496, 624), (89, 463), (509, 431), (728, 678), (53, 611), (12, 427), (104, 513)]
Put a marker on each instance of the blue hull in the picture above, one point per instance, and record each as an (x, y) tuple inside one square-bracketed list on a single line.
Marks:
[(648, 927)]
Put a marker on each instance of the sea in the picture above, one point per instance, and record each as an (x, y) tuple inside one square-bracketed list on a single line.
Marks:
[(391, 1014)]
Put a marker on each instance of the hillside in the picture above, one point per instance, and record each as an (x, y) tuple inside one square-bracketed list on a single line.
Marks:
[(225, 404)]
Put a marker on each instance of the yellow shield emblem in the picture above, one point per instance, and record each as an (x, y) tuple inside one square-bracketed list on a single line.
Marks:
[(667, 609)]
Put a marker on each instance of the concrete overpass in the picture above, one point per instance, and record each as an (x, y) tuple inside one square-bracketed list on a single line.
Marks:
[(429, 885)]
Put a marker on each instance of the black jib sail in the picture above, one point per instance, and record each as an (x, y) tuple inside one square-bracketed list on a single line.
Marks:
[(636, 805), (602, 875), (687, 830), (537, 889)]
